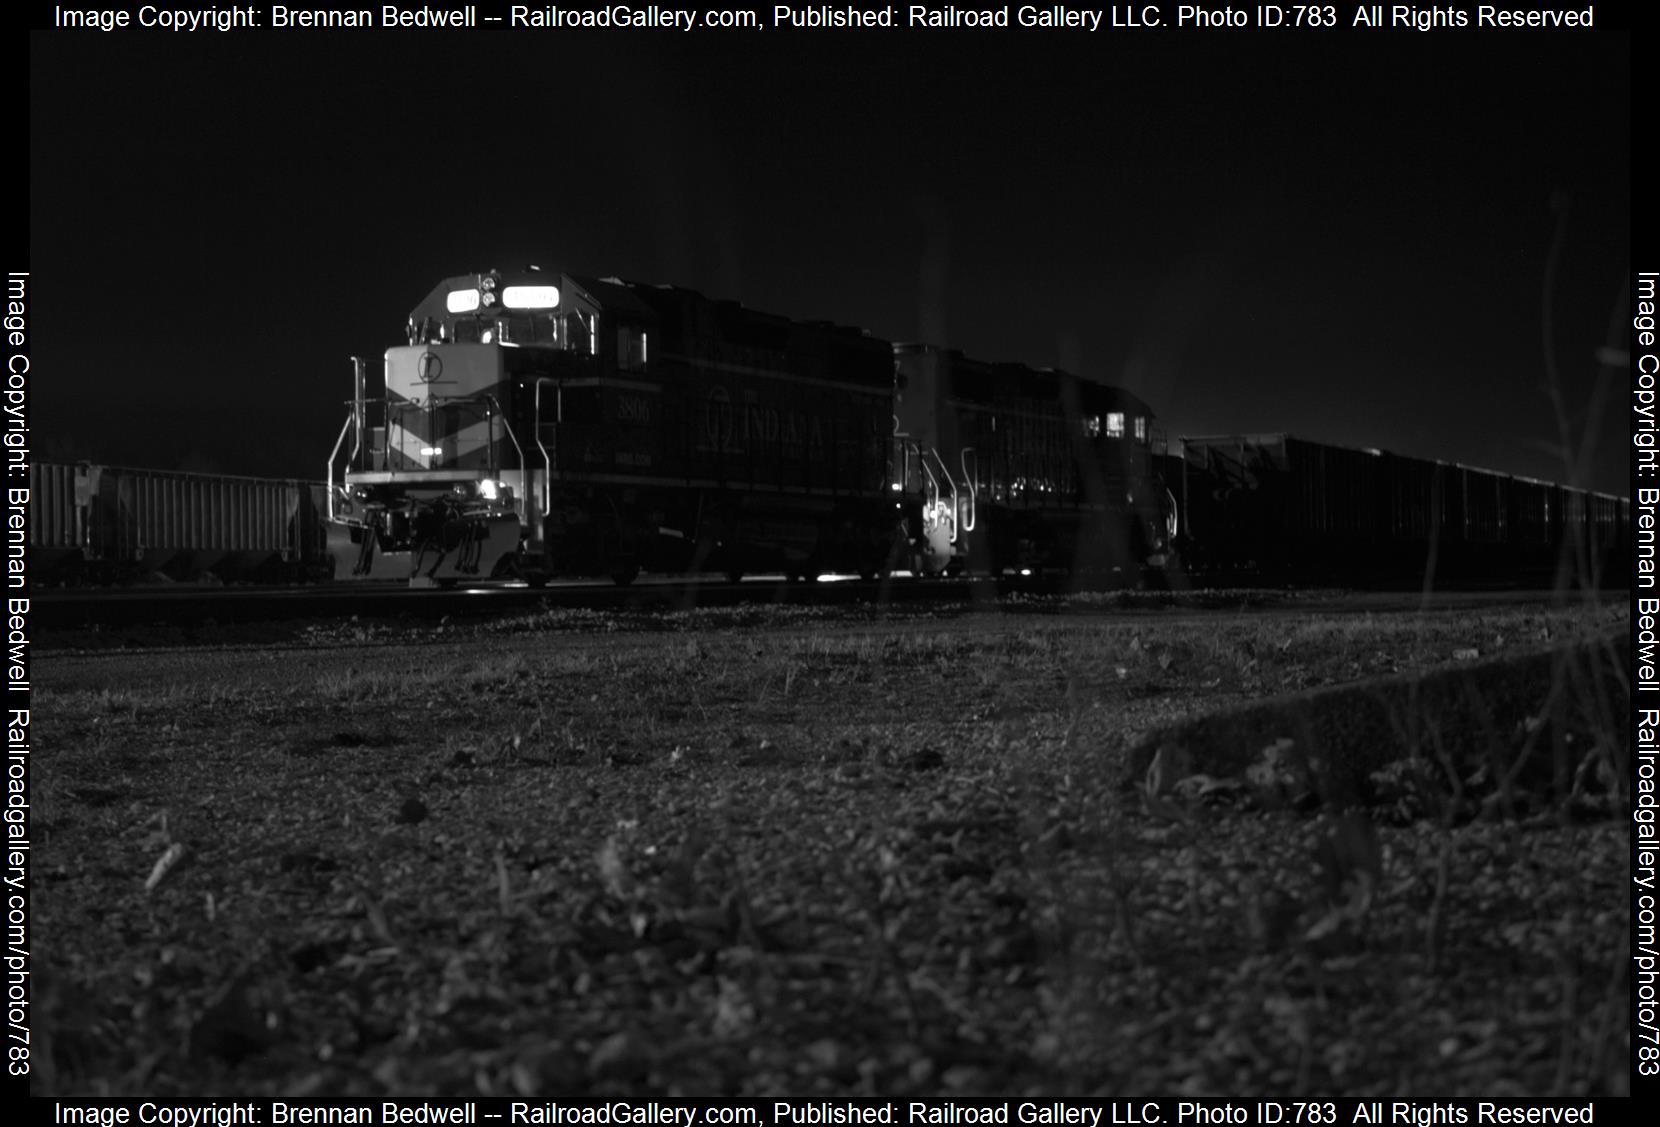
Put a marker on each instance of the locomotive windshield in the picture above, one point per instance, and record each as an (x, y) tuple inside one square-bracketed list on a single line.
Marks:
[(486, 309), (512, 297), (503, 328)]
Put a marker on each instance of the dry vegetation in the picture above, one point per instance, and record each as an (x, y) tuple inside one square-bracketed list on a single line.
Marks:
[(785, 850)]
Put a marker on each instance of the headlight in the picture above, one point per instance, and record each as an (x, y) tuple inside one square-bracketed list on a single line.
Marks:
[(530, 297)]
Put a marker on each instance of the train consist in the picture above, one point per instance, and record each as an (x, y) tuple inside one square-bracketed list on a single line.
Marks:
[(538, 425)]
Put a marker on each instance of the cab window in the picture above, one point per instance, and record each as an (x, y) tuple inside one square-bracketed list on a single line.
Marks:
[(631, 347), (579, 334)]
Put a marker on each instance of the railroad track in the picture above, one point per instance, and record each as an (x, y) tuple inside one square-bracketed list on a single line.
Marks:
[(194, 607)]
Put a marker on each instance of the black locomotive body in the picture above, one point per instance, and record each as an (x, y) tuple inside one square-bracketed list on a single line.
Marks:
[(542, 425)]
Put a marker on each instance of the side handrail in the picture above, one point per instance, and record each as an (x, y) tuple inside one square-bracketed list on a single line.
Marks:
[(973, 489), (933, 481), (898, 462), (547, 459)]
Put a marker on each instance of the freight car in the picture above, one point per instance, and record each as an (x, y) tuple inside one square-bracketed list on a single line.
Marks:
[(1280, 508), (111, 524), (539, 424)]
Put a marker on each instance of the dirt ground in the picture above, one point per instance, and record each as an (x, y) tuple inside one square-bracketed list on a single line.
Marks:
[(801, 850)]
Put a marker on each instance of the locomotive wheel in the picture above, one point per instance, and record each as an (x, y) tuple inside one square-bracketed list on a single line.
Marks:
[(522, 565), (882, 567), (920, 568), (619, 558)]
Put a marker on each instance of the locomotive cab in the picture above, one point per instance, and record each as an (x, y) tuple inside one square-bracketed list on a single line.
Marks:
[(446, 476)]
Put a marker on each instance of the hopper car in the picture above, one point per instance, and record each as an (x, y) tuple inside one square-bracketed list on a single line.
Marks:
[(1277, 508), (91, 523)]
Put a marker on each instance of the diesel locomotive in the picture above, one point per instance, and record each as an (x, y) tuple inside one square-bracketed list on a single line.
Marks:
[(539, 424)]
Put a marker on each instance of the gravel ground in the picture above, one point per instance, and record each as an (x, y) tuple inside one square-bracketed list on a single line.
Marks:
[(802, 850)]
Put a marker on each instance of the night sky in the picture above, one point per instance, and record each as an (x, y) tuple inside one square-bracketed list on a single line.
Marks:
[(1341, 235)]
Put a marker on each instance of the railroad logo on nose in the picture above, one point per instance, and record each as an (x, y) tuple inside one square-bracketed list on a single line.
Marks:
[(429, 367)]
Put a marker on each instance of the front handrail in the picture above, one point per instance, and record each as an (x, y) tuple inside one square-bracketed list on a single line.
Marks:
[(359, 406), (524, 505), (508, 427), (973, 490), (328, 475), (945, 472)]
